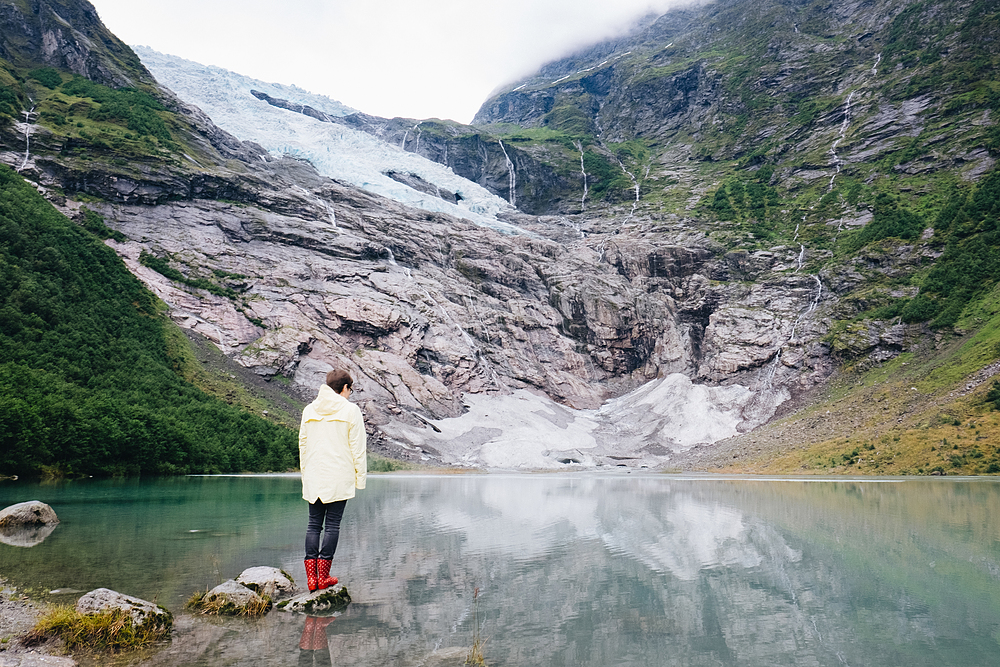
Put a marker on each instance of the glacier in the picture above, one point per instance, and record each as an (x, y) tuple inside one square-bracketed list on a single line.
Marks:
[(340, 152)]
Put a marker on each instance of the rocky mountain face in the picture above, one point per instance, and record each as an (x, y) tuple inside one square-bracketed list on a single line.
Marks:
[(68, 35), (703, 181)]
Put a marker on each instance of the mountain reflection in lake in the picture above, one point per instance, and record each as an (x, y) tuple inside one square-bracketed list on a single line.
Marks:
[(572, 570)]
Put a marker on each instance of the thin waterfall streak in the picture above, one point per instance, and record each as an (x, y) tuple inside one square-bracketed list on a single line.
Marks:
[(765, 383), (878, 59), (812, 306), (583, 170), (446, 317), (511, 175), (843, 133), (635, 184), (27, 138), (471, 305)]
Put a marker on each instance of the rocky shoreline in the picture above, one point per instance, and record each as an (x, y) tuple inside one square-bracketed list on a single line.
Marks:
[(18, 615)]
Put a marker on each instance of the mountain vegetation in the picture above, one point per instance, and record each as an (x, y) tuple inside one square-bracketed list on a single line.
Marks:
[(87, 385), (795, 197)]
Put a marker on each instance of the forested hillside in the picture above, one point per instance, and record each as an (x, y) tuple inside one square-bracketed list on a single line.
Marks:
[(87, 386)]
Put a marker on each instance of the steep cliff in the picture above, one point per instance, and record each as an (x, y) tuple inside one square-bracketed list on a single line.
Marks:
[(742, 199)]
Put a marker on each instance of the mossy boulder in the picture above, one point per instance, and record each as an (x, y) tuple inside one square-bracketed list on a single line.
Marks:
[(322, 602), (230, 598), (141, 613), (103, 620)]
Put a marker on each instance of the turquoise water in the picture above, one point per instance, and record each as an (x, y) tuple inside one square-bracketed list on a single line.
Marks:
[(571, 569)]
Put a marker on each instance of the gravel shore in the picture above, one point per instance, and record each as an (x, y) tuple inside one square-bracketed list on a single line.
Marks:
[(18, 615)]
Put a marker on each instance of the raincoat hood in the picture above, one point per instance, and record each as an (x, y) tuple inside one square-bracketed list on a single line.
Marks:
[(328, 404)]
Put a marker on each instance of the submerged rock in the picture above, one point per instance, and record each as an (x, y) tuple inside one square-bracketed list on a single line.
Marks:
[(36, 660), (325, 601), (142, 612)]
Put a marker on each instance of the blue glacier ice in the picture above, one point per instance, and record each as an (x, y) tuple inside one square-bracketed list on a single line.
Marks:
[(337, 151)]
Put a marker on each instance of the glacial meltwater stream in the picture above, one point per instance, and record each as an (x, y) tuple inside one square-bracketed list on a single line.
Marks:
[(585, 569)]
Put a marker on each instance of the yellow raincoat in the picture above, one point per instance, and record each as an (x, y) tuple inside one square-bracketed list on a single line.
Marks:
[(332, 453)]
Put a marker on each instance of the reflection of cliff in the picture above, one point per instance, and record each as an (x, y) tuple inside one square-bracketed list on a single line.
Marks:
[(603, 570), (690, 536), (588, 570), (579, 568)]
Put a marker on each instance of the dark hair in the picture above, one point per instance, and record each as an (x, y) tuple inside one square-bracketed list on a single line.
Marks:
[(338, 379)]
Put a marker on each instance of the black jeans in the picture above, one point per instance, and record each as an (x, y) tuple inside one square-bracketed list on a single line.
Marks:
[(330, 513)]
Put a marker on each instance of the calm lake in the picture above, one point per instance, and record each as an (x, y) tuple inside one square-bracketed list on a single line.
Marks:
[(600, 570)]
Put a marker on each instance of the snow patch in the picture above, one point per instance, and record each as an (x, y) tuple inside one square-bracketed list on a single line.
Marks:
[(525, 431)]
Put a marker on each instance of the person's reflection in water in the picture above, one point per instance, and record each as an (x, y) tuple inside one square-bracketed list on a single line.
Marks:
[(314, 650)]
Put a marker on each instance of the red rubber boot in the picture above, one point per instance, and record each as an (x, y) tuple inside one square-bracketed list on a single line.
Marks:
[(311, 579), (323, 573)]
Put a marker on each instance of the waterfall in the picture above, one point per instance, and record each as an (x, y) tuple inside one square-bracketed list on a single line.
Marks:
[(402, 144), (761, 405), (796, 237), (512, 176), (471, 305), (27, 138), (878, 59), (812, 306), (635, 184), (583, 170), (445, 316), (766, 383), (843, 133), (802, 255)]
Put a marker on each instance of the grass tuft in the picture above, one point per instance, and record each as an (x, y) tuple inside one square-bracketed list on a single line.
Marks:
[(476, 656), (216, 605), (111, 631)]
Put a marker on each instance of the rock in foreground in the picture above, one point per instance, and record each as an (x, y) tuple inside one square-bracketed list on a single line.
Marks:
[(143, 614), (231, 598), (31, 513), (321, 602), (267, 581)]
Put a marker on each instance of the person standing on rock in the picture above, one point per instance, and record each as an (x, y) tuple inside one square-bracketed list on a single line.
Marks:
[(334, 462)]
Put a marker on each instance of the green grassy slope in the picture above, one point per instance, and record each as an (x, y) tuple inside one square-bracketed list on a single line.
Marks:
[(931, 410)]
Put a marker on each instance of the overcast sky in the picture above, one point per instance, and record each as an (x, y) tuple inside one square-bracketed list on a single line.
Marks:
[(412, 58)]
